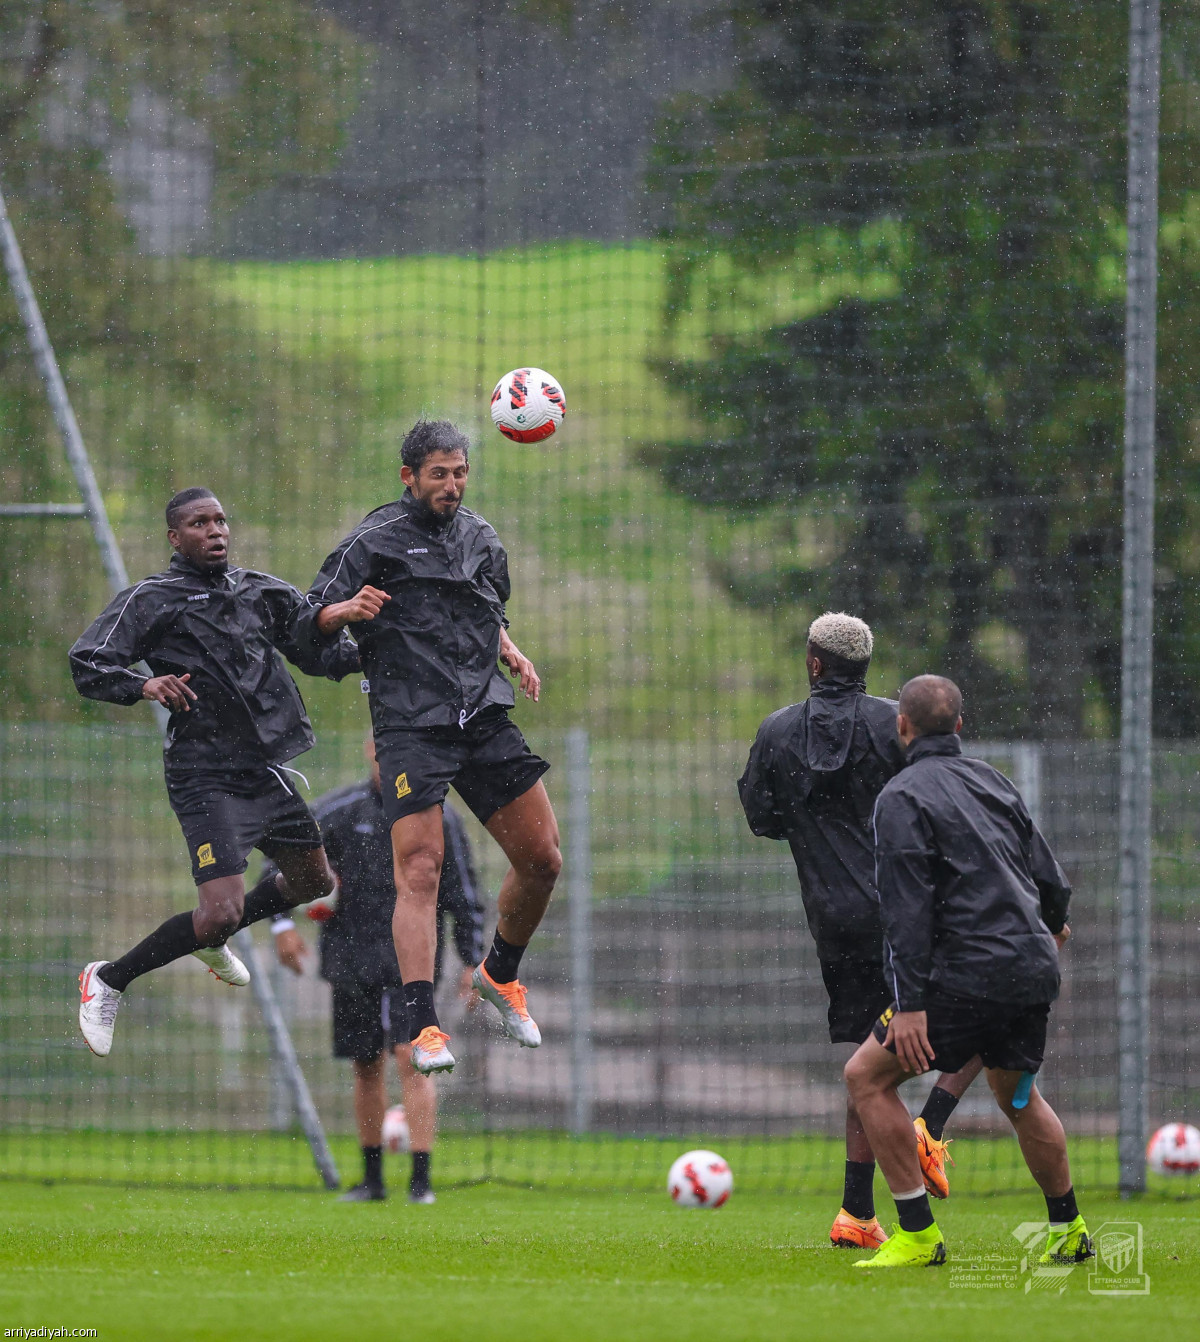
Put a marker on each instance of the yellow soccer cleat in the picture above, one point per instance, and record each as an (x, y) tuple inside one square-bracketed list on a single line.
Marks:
[(909, 1248), (848, 1232), (933, 1156), (1068, 1244)]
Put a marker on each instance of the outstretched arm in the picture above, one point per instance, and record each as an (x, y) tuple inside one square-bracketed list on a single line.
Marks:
[(519, 667), (103, 656)]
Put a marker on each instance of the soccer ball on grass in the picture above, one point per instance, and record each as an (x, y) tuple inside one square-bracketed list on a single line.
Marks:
[(528, 405), (700, 1179), (395, 1130)]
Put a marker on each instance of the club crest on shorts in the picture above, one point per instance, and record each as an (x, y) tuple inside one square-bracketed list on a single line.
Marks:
[(204, 856), (402, 787)]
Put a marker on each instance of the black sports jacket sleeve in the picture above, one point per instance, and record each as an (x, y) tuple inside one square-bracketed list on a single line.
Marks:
[(904, 877), (1053, 888), (119, 636), (292, 634), (756, 788)]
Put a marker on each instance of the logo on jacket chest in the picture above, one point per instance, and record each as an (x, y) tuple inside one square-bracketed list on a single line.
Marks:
[(200, 596)]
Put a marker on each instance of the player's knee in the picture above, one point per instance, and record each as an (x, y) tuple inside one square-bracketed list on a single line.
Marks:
[(419, 871), (215, 926), (853, 1075), (544, 864)]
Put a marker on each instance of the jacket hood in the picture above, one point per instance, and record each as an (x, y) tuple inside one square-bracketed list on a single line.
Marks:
[(832, 710), (941, 743), (179, 564)]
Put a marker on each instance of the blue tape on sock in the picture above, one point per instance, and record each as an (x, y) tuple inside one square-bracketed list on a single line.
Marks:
[(1023, 1091)]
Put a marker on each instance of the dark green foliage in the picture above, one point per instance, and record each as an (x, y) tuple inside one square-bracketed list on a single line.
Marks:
[(161, 374), (955, 436)]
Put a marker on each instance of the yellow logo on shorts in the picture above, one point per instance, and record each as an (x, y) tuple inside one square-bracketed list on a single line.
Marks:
[(204, 856), (885, 1019), (402, 788)]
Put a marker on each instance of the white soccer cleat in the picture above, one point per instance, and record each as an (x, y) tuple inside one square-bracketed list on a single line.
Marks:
[(98, 1005), (222, 963), (429, 1051), (509, 1001)]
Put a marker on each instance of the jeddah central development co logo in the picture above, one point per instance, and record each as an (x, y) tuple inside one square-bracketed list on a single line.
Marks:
[(1116, 1269)]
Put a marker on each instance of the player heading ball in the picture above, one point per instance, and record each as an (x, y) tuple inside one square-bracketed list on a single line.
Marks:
[(422, 584)]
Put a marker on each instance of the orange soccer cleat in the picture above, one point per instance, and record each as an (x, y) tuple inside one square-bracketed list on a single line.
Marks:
[(429, 1051), (510, 1001), (933, 1156), (848, 1232)]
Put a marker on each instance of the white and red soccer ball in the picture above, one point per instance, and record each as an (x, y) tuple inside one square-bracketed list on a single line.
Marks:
[(700, 1179), (395, 1130), (1174, 1149), (528, 405)]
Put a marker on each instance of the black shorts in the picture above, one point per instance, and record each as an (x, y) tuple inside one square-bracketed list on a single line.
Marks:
[(224, 816), (1010, 1037), (487, 761), (367, 1019), (858, 991)]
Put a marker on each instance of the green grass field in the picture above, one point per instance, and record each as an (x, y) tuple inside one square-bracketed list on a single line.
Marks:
[(501, 1263)]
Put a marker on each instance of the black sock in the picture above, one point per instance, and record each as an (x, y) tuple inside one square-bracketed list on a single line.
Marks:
[(171, 940), (503, 960), (419, 1182), (914, 1212), (1062, 1211), (938, 1108), (177, 937), (373, 1166), (418, 1003), (265, 899), (859, 1196)]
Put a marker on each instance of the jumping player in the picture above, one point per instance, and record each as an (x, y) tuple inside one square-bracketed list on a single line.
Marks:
[(974, 910), (422, 583), (212, 636), (813, 775)]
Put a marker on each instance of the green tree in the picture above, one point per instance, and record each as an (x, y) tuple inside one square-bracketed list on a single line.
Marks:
[(147, 349), (939, 448)]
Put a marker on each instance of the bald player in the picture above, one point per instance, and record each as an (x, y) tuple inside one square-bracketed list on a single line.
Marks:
[(974, 911), (814, 773)]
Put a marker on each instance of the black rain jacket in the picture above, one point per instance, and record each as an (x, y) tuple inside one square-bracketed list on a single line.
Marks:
[(225, 629), (431, 653), (356, 942), (814, 773), (969, 890)]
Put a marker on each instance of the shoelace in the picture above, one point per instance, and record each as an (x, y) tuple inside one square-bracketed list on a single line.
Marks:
[(514, 995), (431, 1040), (108, 1008)]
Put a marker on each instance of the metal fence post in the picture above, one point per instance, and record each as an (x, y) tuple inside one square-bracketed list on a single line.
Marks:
[(1137, 632), (283, 1050), (579, 901)]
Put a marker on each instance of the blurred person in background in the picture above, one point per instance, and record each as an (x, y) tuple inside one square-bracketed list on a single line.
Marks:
[(358, 959)]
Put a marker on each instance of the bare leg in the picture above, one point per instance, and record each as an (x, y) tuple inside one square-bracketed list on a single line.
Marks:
[(370, 1098), (219, 910), (305, 874), (417, 851), (858, 1148), (420, 1102), (873, 1076), (1043, 1142), (956, 1083), (528, 833)]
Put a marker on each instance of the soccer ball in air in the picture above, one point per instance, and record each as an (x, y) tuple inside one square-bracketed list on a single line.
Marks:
[(700, 1179), (1174, 1149), (395, 1130), (528, 405)]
